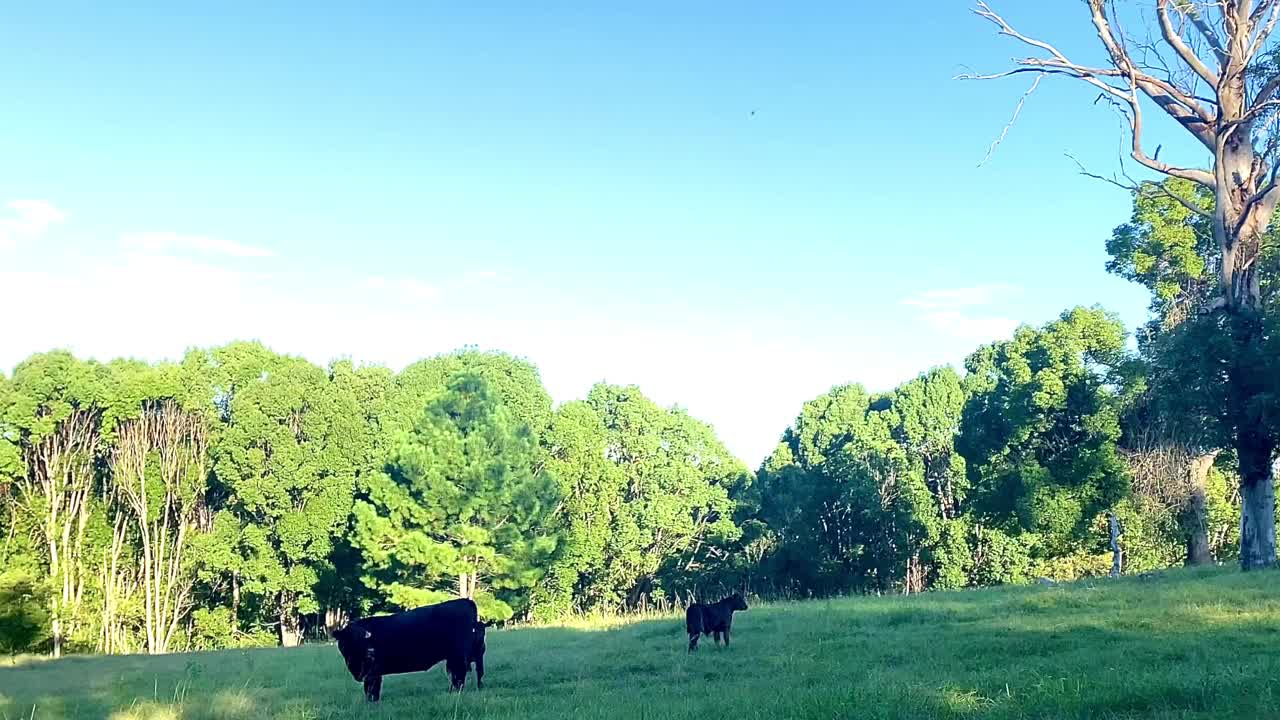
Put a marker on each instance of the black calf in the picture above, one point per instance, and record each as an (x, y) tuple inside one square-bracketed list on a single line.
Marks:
[(715, 618)]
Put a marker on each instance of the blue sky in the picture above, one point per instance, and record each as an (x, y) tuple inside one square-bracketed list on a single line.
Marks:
[(583, 186)]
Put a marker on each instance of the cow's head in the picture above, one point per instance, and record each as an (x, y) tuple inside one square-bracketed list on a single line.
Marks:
[(477, 638), (737, 602), (356, 645)]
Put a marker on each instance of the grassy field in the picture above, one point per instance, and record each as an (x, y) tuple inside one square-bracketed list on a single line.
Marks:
[(1203, 644)]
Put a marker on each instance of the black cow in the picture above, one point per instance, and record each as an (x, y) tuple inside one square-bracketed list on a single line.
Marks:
[(715, 618), (413, 641)]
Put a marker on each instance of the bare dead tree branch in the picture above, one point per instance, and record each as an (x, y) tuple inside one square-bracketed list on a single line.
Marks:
[(1262, 31), (1268, 90), (1170, 99), (1013, 119), (1175, 41), (1262, 9), (1126, 186), (1177, 104), (1207, 32), (1269, 189)]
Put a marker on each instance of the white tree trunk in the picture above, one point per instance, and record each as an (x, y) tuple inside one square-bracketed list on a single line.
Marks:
[(1117, 553)]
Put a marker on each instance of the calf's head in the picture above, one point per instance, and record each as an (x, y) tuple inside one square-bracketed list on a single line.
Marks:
[(737, 602), (356, 645)]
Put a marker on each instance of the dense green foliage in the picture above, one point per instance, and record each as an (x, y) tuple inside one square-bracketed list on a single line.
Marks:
[(242, 497), (1040, 432), (1192, 645), (294, 497)]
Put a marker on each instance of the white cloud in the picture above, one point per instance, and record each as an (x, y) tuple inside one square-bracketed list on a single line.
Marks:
[(965, 314), (946, 299), (975, 329), (28, 221), (411, 289), (403, 290), (171, 241)]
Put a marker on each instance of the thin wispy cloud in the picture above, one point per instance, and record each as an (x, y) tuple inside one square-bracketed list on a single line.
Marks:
[(973, 328), (950, 298), (416, 290), (27, 220), (403, 289), (171, 242), (969, 314)]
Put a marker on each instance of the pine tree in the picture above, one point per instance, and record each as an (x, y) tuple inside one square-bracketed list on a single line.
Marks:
[(461, 508)]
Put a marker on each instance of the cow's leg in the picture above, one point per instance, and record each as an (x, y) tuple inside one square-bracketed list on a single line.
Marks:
[(693, 641), (717, 636), (480, 673), (457, 667), (373, 688), (726, 637)]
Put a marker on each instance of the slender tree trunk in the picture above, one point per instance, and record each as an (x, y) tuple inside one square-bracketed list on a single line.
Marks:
[(55, 571), (162, 508), (290, 634), (914, 580), (57, 633), (149, 588), (1117, 553), (116, 584), (334, 618), (1197, 512)]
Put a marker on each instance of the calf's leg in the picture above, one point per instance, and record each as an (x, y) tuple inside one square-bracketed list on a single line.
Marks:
[(693, 641)]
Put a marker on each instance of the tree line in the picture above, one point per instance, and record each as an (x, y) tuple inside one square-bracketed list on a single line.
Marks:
[(244, 497), (241, 496)]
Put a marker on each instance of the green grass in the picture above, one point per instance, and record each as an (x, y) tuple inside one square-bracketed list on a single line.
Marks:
[(1189, 644)]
